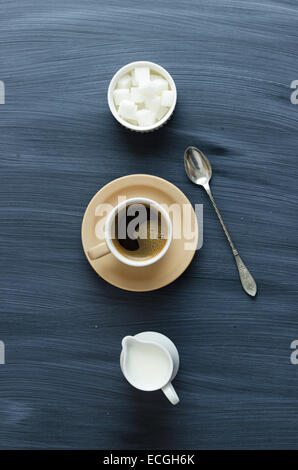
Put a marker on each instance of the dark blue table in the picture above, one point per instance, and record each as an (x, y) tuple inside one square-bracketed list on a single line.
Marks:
[(233, 63)]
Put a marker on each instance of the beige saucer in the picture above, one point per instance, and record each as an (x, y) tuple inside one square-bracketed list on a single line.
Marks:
[(164, 271)]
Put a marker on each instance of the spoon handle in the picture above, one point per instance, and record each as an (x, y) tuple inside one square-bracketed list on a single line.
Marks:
[(247, 281)]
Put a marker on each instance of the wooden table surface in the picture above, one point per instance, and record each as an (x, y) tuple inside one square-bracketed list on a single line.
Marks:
[(233, 63)]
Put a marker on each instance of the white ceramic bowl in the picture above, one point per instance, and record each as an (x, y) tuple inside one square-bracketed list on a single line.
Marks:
[(128, 68)]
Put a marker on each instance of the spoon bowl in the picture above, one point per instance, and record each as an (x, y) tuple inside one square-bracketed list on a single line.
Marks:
[(197, 166)]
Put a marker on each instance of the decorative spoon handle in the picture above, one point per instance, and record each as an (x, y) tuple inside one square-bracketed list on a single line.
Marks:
[(247, 281)]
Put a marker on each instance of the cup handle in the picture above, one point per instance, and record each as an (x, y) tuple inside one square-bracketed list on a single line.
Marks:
[(170, 393), (98, 251)]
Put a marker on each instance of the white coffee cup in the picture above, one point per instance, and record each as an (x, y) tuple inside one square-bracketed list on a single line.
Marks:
[(150, 361), (107, 246)]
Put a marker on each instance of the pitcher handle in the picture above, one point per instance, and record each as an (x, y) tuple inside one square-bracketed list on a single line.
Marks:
[(170, 393)]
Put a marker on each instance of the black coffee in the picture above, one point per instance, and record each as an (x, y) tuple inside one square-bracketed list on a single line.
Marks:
[(140, 232)]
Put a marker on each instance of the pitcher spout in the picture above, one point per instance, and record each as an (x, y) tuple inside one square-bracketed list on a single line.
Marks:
[(127, 344), (127, 341)]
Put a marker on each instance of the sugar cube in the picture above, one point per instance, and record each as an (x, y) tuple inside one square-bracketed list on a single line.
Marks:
[(160, 85), (148, 90), (145, 117), (154, 76), (127, 110), (142, 75), (161, 112), (153, 104), (132, 121), (136, 95), (167, 98), (133, 78), (124, 82), (121, 94)]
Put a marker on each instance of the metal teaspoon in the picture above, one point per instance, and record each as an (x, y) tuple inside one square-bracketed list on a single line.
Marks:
[(199, 171)]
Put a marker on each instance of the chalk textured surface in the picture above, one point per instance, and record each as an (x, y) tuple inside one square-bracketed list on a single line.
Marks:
[(233, 62)]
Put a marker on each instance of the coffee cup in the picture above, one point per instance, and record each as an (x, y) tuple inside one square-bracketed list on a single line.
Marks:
[(145, 238)]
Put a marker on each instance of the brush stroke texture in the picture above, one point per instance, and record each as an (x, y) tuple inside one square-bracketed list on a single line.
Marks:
[(233, 62)]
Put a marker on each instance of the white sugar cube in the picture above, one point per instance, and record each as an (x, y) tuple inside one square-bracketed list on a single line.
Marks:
[(153, 104), (145, 117), (127, 110), (148, 90), (121, 94), (136, 95), (132, 121), (133, 78), (167, 98), (154, 88), (161, 112), (142, 75), (154, 76), (124, 82), (160, 85)]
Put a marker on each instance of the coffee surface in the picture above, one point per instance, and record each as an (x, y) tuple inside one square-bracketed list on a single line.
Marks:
[(139, 232)]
